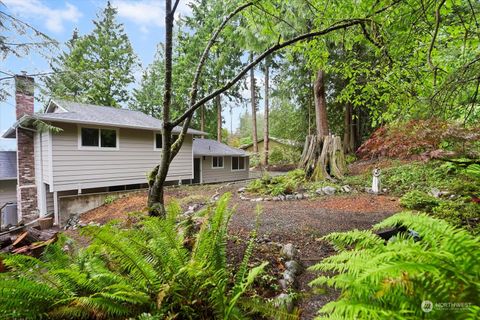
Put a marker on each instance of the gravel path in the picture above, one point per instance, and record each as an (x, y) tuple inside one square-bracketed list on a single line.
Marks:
[(303, 222), (300, 222)]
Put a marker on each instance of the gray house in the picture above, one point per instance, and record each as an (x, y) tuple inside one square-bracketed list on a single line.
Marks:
[(93, 150), (216, 162)]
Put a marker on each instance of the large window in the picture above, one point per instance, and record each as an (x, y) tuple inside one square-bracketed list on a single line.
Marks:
[(238, 163), (98, 138), (159, 141), (217, 162)]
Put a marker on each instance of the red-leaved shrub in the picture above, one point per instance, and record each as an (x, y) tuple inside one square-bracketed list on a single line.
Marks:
[(429, 138)]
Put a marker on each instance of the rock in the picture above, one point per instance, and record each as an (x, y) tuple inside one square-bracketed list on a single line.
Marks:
[(282, 197), (299, 196), (328, 190), (244, 198), (194, 207), (276, 198), (267, 199), (289, 197), (293, 266), (346, 189), (306, 195), (241, 190), (259, 199), (284, 300), (288, 251), (289, 278), (283, 284), (319, 191)]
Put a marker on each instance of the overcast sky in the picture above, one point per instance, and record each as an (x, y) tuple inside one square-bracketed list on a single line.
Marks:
[(144, 25)]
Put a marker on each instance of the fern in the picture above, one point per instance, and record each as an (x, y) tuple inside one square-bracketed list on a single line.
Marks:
[(143, 272), (390, 281)]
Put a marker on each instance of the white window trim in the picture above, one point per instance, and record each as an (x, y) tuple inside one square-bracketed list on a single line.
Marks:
[(80, 147), (155, 140), (244, 164), (223, 162)]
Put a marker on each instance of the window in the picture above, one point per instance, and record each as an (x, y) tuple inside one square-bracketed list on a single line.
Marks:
[(89, 137), (238, 163), (98, 138), (159, 141), (108, 138), (217, 162)]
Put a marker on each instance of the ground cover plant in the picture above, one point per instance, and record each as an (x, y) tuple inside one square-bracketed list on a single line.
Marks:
[(156, 269), (391, 279), (284, 184)]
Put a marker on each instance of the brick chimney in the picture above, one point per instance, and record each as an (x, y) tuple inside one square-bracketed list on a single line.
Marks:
[(26, 187)]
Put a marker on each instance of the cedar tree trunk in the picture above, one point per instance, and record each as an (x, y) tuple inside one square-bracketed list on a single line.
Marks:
[(320, 104)]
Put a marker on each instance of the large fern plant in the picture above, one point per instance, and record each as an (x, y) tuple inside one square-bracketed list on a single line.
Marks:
[(146, 271), (390, 280)]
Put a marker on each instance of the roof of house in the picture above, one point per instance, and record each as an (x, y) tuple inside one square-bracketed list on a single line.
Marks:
[(209, 147), (291, 143), (8, 165), (82, 113)]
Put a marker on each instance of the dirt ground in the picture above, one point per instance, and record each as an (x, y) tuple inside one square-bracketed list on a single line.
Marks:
[(300, 222)]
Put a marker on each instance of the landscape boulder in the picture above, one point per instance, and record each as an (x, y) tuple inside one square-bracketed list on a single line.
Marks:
[(288, 251)]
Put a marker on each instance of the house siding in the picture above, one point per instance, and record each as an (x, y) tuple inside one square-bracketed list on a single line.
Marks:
[(75, 169), (45, 147), (8, 191), (210, 175)]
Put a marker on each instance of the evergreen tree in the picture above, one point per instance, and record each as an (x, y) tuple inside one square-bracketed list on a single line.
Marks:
[(149, 96), (97, 68)]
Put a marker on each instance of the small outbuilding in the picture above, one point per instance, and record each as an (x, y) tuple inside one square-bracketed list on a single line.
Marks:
[(214, 161)]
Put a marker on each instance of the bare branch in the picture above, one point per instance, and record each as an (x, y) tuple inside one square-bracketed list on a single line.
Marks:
[(435, 33), (206, 51), (175, 7)]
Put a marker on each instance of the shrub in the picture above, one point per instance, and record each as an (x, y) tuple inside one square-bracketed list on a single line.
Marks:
[(284, 184), (110, 199), (390, 280), (402, 140), (284, 155), (418, 200), (461, 212), (159, 269)]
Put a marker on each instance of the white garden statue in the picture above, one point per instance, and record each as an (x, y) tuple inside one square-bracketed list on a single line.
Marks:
[(376, 181)]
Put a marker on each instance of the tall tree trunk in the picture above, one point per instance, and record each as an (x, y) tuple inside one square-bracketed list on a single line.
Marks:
[(156, 180), (202, 118), (320, 104), (266, 111), (253, 99), (348, 135), (218, 103)]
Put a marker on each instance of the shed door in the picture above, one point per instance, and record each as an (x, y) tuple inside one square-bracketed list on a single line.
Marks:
[(196, 170)]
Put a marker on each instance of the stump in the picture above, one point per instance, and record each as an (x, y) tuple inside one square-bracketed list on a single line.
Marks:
[(323, 158)]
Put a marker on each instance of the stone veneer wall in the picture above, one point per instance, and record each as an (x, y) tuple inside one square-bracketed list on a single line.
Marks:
[(26, 188)]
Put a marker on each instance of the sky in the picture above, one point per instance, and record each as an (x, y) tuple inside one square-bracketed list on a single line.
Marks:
[(144, 25)]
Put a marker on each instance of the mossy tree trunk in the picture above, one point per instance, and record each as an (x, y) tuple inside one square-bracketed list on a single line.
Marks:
[(323, 158)]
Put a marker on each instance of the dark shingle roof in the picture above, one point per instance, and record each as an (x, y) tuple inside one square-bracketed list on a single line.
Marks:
[(8, 165), (93, 114), (208, 147), (83, 113)]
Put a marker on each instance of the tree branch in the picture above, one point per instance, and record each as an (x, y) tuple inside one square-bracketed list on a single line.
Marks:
[(198, 72), (338, 26), (435, 33), (175, 7)]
